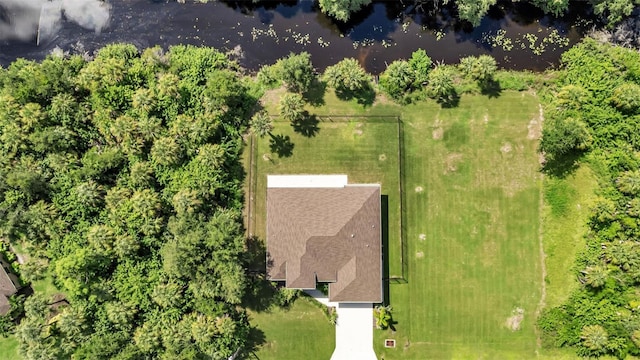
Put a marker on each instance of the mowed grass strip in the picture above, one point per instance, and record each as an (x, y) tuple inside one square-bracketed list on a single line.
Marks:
[(473, 211)]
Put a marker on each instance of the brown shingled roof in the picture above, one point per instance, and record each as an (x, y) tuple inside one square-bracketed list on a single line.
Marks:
[(7, 286), (327, 235)]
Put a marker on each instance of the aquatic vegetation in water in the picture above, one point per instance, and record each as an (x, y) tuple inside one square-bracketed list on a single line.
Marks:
[(500, 39)]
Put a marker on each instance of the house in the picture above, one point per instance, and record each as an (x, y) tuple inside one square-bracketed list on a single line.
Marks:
[(322, 229), (9, 285)]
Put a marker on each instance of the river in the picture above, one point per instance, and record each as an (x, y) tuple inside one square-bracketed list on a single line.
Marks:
[(518, 36)]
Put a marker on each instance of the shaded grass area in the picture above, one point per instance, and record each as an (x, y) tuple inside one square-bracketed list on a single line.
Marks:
[(299, 332), (567, 203), (472, 207)]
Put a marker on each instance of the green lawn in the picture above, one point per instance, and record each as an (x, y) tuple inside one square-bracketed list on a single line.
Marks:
[(9, 348), (567, 203), (472, 217), (301, 332), (473, 222)]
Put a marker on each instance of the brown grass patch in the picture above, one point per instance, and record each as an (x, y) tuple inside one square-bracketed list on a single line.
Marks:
[(506, 148), (419, 189), (513, 322), (437, 133), (451, 162), (419, 255)]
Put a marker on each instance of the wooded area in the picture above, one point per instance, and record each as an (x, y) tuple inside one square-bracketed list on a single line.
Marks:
[(612, 11), (592, 117), (121, 176)]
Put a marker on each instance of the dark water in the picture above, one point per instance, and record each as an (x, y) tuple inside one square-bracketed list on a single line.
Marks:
[(379, 34)]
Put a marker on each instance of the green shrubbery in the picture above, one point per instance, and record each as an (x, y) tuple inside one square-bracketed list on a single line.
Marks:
[(592, 111)]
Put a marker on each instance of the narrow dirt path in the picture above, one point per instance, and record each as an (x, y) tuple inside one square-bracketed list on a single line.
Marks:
[(543, 267)]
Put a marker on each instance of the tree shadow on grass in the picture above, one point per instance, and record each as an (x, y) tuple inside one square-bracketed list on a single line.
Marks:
[(315, 94), (306, 125), (365, 96), (450, 101), (562, 166), (255, 339), (491, 88), (281, 145)]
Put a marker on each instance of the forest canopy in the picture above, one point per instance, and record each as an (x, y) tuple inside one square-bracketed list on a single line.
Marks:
[(121, 176), (611, 11)]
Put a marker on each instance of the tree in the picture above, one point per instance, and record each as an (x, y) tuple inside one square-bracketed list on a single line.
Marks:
[(595, 276), (347, 75), (166, 152), (563, 136), (342, 9), (421, 65), (397, 79), (440, 84), (594, 338), (261, 124), (473, 10), (629, 182), (481, 68), (626, 97), (291, 107), (296, 71)]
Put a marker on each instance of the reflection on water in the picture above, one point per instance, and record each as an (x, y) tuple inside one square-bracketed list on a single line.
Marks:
[(518, 36)]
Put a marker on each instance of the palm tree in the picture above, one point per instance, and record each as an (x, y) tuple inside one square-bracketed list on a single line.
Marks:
[(291, 107), (261, 124), (595, 276), (382, 314), (441, 84), (629, 182), (594, 337)]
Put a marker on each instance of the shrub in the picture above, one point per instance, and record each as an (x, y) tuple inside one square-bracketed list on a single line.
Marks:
[(397, 80)]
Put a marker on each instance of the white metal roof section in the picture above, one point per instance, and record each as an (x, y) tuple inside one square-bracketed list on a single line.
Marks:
[(354, 332), (306, 181)]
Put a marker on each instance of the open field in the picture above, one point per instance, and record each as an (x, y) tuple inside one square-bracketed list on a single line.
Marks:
[(472, 218)]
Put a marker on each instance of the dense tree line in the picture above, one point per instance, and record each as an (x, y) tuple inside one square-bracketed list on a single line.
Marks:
[(121, 175), (612, 11), (594, 115)]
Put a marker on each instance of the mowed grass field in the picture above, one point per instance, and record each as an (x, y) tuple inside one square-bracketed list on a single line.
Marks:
[(472, 211), (473, 199)]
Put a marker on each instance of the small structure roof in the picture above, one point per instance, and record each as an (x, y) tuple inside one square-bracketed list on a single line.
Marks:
[(7, 286), (328, 234)]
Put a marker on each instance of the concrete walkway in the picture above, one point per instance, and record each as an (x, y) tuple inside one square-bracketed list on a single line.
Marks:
[(354, 329)]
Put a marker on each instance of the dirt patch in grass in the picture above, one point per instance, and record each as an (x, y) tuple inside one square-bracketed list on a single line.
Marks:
[(419, 189), (271, 98), (514, 321), (419, 255), (437, 133), (534, 129), (382, 157), (422, 237), (451, 162), (506, 148)]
